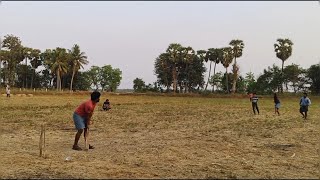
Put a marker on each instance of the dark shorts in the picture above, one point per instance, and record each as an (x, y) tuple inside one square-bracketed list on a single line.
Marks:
[(303, 108)]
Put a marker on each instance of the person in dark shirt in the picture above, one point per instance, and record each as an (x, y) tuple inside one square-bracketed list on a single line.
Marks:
[(106, 105), (254, 101), (276, 104)]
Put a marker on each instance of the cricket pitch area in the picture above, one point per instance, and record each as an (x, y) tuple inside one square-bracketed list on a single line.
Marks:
[(160, 137)]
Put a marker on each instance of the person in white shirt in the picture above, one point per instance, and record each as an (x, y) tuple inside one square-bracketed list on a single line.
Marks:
[(305, 102), (8, 90)]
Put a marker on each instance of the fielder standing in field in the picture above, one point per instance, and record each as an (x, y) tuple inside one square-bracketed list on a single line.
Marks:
[(82, 118), (254, 101), (276, 104), (8, 90), (305, 102)]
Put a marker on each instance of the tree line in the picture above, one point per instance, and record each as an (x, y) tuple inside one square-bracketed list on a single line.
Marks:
[(57, 68), (181, 69)]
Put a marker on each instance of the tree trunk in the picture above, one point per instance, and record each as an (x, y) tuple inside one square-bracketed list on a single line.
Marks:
[(5, 74), (32, 76), (227, 80), (0, 66), (64, 82), (235, 76), (180, 88), (282, 77), (186, 85), (26, 85), (208, 76), (11, 76), (58, 81), (73, 73), (214, 73), (0, 61), (51, 83), (174, 76)]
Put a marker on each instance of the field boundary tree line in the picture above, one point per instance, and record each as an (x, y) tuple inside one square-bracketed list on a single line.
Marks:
[(58, 68), (179, 70)]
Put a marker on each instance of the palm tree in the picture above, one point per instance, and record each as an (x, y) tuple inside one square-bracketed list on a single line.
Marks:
[(283, 49), (214, 55), (60, 65), (188, 55), (59, 62), (174, 51), (237, 48), (203, 56), (77, 59), (226, 61)]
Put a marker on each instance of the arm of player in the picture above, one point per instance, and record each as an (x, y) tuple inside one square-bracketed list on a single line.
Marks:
[(89, 120)]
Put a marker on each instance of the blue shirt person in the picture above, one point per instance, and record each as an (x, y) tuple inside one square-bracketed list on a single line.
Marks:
[(305, 102)]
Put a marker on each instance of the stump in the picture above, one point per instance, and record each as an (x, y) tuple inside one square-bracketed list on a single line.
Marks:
[(42, 142)]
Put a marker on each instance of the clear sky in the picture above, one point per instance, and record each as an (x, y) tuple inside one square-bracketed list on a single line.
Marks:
[(130, 35)]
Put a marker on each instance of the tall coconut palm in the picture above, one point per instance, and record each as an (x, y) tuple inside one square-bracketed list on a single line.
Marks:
[(174, 51), (188, 55), (214, 55), (77, 60), (237, 48), (226, 61), (283, 49), (203, 56), (59, 64)]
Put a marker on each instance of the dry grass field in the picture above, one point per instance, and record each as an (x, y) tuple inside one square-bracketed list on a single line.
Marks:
[(160, 137)]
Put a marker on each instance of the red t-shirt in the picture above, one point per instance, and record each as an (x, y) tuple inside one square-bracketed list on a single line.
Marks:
[(86, 108)]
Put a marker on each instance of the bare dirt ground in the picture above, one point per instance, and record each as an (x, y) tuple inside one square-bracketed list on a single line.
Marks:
[(160, 137)]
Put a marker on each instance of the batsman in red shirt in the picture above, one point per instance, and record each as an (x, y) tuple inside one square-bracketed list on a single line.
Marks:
[(82, 118)]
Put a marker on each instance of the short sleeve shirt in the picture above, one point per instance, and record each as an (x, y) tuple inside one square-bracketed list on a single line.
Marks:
[(86, 108)]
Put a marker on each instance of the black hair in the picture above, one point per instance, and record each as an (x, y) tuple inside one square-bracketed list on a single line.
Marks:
[(95, 95)]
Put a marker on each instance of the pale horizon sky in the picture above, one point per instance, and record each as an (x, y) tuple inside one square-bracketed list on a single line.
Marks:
[(130, 35)]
